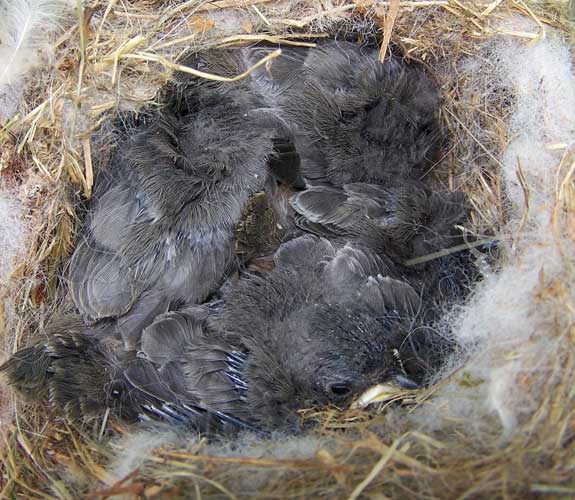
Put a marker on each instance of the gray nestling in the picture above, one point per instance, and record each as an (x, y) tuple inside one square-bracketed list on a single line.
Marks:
[(160, 227), (324, 325), (405, 221)]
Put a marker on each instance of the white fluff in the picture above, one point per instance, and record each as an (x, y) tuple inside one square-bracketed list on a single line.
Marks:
[(15, 236), (503, 328), (14, 232), (25, 28), (135, 449), (280, 447)]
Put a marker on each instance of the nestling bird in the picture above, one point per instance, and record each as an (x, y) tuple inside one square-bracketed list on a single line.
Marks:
[(160, 228), (405, 221), (324, 325)]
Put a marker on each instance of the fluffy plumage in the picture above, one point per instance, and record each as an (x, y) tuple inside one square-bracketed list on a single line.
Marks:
[(332, 316), (160, 229), (404, 221), (321, 327), (352, 118), (364, 132), (407, 218), (360, 120)]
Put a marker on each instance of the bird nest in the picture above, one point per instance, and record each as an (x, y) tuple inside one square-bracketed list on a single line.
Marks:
[(112, 57)]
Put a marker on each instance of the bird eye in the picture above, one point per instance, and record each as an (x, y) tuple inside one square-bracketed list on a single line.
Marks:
[(340, 389)]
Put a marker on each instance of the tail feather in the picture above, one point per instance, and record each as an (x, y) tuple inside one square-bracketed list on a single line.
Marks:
[(28, 370)]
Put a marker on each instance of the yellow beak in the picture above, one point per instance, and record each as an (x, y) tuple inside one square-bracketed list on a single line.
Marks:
[(382, 393)]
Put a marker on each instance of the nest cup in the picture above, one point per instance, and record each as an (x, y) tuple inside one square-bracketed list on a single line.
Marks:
[(498, 422)]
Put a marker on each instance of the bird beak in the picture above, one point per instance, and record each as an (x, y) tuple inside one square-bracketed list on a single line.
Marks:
[(381, 393)]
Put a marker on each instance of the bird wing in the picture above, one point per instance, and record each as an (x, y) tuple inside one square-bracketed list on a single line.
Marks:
[(184, 271), (150, 303), (111, 216), (359, 276), (351, 266), (158, 392), (166, 338), (394, 297), (84, 371), (99, 285), (362, 209), (303, 253), (325, 205), (105, 278), (210, 374)]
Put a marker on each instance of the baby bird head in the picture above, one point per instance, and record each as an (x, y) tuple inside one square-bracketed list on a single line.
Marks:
[(322, 328), (327, 359)]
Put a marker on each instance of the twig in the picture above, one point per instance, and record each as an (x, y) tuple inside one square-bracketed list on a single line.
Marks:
[(377, 468), (262, 17), (388, 25), (143, 56), (526, 196), (89, 175), (306, 20), (450, 250), (209, 6)]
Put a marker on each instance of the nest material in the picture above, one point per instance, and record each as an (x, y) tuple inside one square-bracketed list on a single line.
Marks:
[(113, 58)]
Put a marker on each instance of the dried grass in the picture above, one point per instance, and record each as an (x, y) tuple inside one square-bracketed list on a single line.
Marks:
[(114, 59)]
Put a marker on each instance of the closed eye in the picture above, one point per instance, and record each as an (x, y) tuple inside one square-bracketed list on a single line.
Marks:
[(340, 389)]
